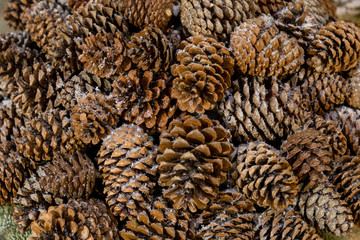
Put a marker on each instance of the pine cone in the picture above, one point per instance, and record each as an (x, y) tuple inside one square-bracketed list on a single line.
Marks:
[(143, 98), (75, 4), (232, 216), (353, 95), (336, 48), (93, 118), (76, 220), (127, 166), (150, 50), (261, 109), (288, 224), (203, 74), (13, 13), (213, 18), (322, 207), (263, 176), (271, 6), (160, 221), (104, 55), (193, 158), (329, 6), (70, 176), (260, 49)]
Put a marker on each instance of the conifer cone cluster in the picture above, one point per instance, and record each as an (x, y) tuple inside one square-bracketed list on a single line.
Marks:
[(179, 119)]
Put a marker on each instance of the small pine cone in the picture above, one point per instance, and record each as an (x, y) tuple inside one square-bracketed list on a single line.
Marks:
[(159, 221), (104, 55), (260, 49), (154, 13), (336, 48), (287, 225), (143, 98), (150, 50), (193, 158), (13, 13), (310, 154), (263, 176), (353, 97), (323, 208), (78, 219), (271, 6), (253, 110), (93, 118), (127, 165), (231, 216), (202, 74), (68, 176)]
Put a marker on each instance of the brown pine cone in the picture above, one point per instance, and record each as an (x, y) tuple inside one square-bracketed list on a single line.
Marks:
[(193, 158), (288, 224), (261, 109), (93, 118), (104, 55), (150, 50), (78, 219), (329, 6), (75, 4), (323, 208), (69, 176), (13, 13), (231, 216), (353, 96), (213, 18), (271, 6), (260, 49), (310, 154), (143, 98), (263, 176), (336, 48), (127, 165), (202, 74)]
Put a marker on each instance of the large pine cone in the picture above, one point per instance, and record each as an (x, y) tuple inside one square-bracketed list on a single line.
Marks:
[(231, 216), (288, 224), (78, 219), (150, 50), (260, 49), (13, 13), (323, 208), (336, 48), (193, 158), (261, 109), (203, 73), (264, 177), (127, 165), (213, 18)]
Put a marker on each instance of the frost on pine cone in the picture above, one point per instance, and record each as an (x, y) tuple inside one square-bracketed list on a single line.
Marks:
[(13, 11), (193, 158), (127, 165), (202, 73)]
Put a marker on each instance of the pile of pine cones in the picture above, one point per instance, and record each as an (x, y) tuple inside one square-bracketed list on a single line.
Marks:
[(169, 119)]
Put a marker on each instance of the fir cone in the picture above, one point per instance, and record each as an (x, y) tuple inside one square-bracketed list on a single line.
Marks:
[(264, 177), (288, 224), (260, 49), (323, 208), (78, 219), (193, 158), (336, 48), (150, 50), (202, 74), (13, 13), (215, 19), (93, 118), (127, 166), (104, 55), (231, 216), (143, 98)]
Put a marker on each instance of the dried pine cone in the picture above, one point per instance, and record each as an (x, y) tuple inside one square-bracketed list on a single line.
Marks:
[(329, 6), (288, 224), (202, 74), (260, 49), (323, 208), (150, 50), (127, 165), (231, 216), (193, 158), (271, 6), (213, 18), (353, 98), (78, 219), (336, 48), (13, 13), (263, 176)]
